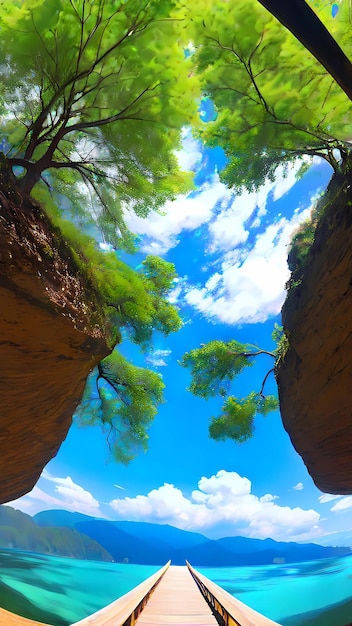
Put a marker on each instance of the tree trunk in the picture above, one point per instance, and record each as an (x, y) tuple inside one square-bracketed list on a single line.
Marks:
[(301, 20)]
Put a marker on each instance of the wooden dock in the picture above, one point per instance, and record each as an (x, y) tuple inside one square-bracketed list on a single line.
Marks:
[(176, 600)]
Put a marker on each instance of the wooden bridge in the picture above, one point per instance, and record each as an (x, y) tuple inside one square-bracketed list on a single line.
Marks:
[(173, 596)]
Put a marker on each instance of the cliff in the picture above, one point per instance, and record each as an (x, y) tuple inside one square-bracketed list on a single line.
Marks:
[(315, 375), (52, 333)]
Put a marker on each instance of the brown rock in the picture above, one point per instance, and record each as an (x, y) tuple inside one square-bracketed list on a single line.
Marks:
[(315, 376), (52, 333)]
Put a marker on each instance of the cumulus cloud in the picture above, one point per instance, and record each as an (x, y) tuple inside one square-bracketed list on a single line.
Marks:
[(68, 495), (188, 212), (222, 504), (248, 284), (249, 287), (342, 505), (298, 487), (157, 358)]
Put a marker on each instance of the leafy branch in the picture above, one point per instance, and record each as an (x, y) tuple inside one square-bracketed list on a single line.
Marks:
[(214, 366)]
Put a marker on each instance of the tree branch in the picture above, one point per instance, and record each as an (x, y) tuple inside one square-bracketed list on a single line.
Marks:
[(264, 381)]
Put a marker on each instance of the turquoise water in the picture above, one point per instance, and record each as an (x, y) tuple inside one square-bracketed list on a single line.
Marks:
[(61, 591), (303, 594)]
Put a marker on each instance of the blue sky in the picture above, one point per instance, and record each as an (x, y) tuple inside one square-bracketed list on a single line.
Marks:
[(230, 253)]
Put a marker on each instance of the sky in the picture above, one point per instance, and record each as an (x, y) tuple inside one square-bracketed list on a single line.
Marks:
[(230, 254)]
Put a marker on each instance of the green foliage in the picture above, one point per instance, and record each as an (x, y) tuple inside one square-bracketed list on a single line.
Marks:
[(274, 101), (282, 342), (97, 92), (300, 243), (213, 367), (237, 418), (123, 399)]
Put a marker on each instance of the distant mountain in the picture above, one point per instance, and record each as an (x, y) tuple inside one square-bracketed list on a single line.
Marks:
[(155, 544), (19, 530), (59, 517)]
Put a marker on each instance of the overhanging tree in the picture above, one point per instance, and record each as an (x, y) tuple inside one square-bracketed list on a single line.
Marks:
[(121, 397), (274, 102), (213, 368), (96, 93), (93, 99)]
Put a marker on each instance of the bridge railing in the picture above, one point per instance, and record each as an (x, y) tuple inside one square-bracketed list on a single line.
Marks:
[(232, 611), (125, 610)]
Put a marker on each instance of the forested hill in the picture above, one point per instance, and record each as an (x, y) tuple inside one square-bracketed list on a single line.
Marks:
[(20, 531)]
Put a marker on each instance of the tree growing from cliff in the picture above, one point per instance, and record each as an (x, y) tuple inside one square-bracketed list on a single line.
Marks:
[(119, 396), (96, 93), (274, 102), (213, 368)]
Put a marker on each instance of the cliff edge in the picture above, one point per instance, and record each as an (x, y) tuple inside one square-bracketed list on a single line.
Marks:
[(52, 333), (315, 375)]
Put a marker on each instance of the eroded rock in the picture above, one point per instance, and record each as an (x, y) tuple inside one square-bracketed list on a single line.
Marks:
[(315, 377), (52, 333)]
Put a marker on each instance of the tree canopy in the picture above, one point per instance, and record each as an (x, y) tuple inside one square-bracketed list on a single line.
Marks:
[(96, 93), (213, 368), (274, 102)]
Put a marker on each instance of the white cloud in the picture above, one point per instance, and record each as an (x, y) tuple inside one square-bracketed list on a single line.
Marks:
[(70, 496), (186, 213), (343, 504), (298, 487), (157, 358), (119, 487), (222, 504), (328, 497), (228, 229), (252, 288), (191, 153), (284, 183), (249, 284)]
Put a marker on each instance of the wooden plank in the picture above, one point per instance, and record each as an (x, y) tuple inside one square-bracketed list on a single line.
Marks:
[(11, 619), (176, 601)]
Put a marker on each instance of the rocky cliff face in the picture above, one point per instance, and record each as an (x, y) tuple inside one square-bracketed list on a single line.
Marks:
[(51, 336), (315, 376)]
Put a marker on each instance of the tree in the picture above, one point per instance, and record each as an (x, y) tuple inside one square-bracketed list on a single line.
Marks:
[(214, 366), (123, 399), (305, 24), (119, 396), (96, 92), (274, 102)]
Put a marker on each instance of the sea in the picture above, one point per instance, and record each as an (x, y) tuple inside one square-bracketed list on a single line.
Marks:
[(60, 591)]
